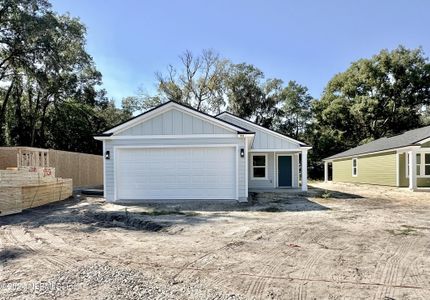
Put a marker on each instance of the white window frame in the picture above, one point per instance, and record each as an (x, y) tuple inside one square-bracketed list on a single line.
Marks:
[(420, 163), (265, 166), (356, 167)]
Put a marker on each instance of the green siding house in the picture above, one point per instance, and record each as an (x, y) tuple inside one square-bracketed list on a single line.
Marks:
[(386, 161)]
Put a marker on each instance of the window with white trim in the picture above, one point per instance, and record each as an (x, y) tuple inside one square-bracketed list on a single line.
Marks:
[(426, 166), (259, 166), (354, 167), (423, 165)]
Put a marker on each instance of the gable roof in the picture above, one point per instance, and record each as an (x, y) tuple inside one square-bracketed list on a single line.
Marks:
[(409, 138), (270, 131), (147, 114)]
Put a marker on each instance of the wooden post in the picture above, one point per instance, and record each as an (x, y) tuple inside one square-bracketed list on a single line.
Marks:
[(412, 170), (304, 170), (325, 171)]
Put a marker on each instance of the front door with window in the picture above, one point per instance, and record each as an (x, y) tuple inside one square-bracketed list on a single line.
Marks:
[(285, 174)]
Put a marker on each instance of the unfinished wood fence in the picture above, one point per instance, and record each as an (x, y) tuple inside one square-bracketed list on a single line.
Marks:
[(85, 169)]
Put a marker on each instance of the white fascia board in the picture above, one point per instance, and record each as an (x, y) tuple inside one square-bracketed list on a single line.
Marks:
[(424, 141), (275, 150), (160, 110), (274, 133), (375, 152), (155, 137)]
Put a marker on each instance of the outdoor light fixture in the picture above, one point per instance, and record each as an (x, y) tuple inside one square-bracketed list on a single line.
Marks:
[(107, 155), (242, 152)]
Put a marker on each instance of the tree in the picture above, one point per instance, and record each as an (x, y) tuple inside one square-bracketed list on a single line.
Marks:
[(377, 97), (381, 96), (296, 112), (45, 72), (250, 97), (72, 124), (198, 84)]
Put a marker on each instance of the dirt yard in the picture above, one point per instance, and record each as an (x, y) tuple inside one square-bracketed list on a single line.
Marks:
[(337, 242)]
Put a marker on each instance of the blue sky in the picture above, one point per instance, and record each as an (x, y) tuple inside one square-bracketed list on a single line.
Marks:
[(306, 41)]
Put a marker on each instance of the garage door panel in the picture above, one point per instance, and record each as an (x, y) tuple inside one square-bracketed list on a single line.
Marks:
[(176, 173)]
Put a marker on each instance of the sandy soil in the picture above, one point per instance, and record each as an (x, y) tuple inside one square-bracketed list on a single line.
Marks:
[(336, 242)]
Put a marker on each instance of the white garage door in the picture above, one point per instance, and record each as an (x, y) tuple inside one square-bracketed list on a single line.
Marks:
[(176, 173)]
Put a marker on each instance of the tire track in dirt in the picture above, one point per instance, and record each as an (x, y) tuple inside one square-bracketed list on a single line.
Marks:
[(394, 265), (189, 269), (55, 243), (258, 284), (308, 268), (416, 276), (45, 246), (30, 242)]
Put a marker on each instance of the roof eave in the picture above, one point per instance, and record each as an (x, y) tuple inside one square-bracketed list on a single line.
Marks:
[(255, 124), (332, 158)]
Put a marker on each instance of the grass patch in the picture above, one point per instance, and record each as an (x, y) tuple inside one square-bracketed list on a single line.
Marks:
[(270, 209), (155, 213), (325, 195), (405, 231)]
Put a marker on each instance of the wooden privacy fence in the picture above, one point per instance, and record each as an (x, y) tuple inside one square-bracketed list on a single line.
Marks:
[(85, 169)]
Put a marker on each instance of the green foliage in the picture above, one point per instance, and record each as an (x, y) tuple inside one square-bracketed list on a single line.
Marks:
[(381, 96), (244, 91), (377, 97), (296, 114), (43, 65)]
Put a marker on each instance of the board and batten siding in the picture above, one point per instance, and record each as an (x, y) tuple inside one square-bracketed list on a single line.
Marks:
[(262, 139), (110, 144), (272, 179), (174, 122), (380, 169)]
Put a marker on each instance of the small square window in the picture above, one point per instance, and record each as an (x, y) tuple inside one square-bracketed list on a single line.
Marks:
[(259, 161), (259, 172), (427, 170)]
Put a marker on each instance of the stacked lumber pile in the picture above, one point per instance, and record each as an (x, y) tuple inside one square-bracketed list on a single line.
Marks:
[(26, 187)]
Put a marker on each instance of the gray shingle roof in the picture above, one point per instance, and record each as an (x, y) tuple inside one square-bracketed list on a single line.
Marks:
[(408, 138)]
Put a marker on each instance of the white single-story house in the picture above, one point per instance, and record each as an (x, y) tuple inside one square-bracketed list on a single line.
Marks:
[(176, 152)]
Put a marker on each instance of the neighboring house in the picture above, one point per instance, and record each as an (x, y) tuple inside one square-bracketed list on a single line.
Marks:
[(386, 161), (176, 152)]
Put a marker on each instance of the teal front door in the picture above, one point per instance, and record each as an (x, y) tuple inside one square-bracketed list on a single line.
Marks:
[(285, 174)]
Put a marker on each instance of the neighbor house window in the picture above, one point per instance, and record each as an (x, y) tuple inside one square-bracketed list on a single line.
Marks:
[(418, 164), (427, 164), (259, 166), (354, 167), (423, 164)]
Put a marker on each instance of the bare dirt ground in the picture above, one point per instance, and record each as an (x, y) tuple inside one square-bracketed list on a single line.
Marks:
[(336, 242)]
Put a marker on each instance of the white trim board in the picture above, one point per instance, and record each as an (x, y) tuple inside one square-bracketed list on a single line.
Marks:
[(421, 164), (277, 170), (266, 164), (298, 150), (397, 169), (372, 153), (156, 137)]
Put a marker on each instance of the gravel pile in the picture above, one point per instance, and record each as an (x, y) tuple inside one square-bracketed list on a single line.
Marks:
[(103, 281)]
